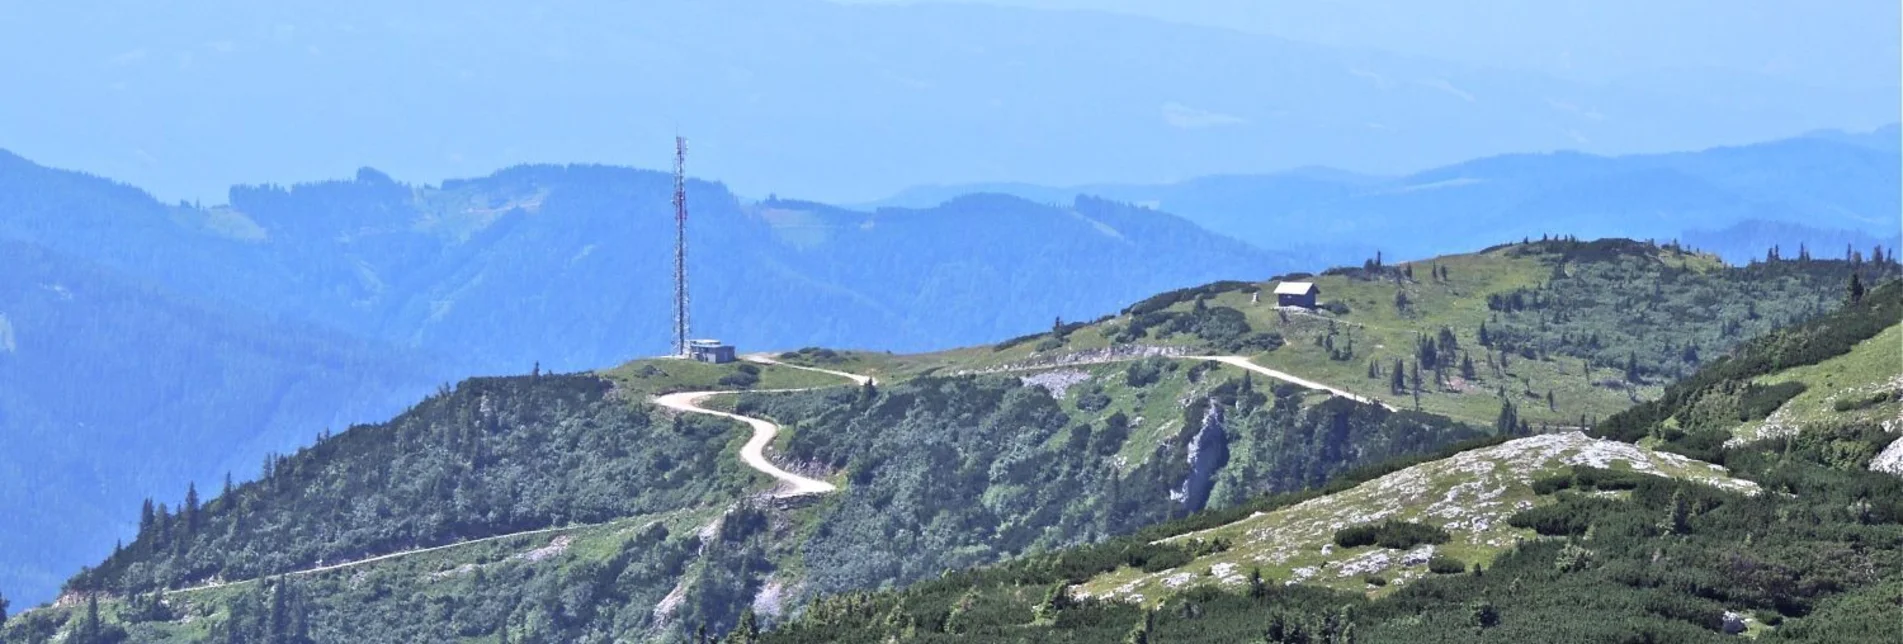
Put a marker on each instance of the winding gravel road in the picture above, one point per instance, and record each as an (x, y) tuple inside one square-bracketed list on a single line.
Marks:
[(753, 454), (1239, 361)]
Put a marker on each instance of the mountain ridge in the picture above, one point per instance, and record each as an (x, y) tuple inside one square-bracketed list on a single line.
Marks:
[(1017, 69), (1819, 188)]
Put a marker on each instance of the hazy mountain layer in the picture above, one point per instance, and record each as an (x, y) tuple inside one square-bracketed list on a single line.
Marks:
[(1824, 189), (840, 102), (199, 338)]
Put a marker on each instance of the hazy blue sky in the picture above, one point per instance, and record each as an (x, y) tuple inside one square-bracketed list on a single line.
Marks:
[(855, 101), (1834, 42)]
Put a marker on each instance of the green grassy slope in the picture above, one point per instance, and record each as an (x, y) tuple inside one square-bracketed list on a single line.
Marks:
[(1576, 331), (1566, 553), (1862, 386), (657, 376)]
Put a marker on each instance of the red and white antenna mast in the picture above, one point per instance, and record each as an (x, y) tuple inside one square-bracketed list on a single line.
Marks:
[(680, 246)]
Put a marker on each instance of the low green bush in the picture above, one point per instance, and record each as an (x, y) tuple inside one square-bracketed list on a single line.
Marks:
[(1445, 565), (1398, 535)]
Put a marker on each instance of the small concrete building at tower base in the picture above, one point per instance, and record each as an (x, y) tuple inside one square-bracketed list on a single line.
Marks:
[(711, 351)]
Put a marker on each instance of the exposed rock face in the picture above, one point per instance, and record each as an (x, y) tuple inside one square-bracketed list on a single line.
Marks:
[(1057, 382), (1470, 495), (1418, 556), (1208, 453), (1366, 563), (1114, 353), (1891, 460)]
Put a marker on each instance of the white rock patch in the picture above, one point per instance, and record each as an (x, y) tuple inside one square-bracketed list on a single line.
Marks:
[(1369, 562), (1057, 382), (1891, 460), (1470, 495)]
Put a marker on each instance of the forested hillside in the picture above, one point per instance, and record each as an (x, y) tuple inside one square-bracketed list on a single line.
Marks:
[(1614, 555), (493, 456), (208, 336), (991, 456), (1706, 411), (634, 517), (950, 473)]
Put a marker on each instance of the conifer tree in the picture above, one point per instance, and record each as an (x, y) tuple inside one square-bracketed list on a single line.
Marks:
[(1856, 288), (164, 530), (1484, 614), (148, 519), (1508, 422), (748, 630), (191, 508), (1055, 601), (89, 630), (1141, 633)]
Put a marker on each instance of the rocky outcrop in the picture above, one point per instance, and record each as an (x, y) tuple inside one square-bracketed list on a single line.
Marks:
[(1116, 353), (1057, 382), (1891, 460), (1208, 453)]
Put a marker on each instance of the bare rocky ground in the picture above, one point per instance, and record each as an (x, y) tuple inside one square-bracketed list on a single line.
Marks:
[(1470, 495), (1057, 382)]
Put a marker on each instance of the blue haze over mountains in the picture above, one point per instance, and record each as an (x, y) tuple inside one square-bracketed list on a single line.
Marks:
[(845, 103), (146, 343), (1824, 189)]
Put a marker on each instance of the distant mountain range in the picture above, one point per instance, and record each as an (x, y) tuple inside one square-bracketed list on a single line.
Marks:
[(112, 388), (146, 345), (1825, 190), (838, 101)]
